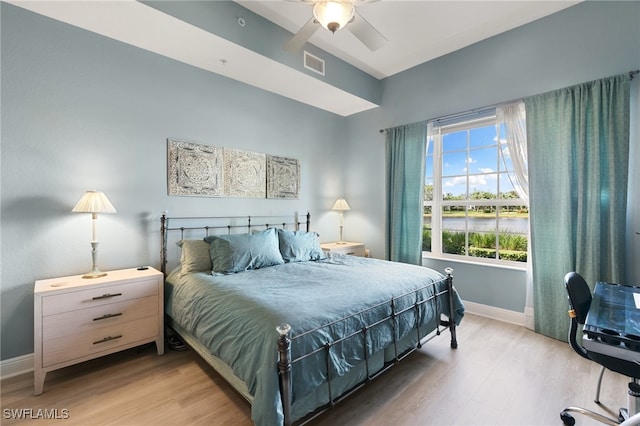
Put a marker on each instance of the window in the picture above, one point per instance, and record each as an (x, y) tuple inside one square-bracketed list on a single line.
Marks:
[(471, 208)]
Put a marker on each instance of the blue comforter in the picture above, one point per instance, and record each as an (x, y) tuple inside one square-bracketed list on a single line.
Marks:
[(236, 315)]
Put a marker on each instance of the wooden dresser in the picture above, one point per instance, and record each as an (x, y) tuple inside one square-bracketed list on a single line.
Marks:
[(77, 319)]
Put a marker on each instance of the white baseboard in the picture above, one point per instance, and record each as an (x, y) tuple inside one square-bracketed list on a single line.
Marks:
[(16, 366), (529, 320), (505, 315), (24, 364)]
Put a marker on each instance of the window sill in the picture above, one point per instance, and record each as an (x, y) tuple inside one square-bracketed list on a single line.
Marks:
[(513, 266)]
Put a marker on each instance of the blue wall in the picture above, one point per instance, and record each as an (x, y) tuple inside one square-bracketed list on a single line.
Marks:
[(81, 111)]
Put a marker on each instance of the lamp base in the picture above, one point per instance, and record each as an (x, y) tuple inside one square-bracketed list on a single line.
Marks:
[(341, 242), (94, 274)]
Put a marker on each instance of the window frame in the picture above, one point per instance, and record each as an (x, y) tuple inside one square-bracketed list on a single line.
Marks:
[(438, 203)]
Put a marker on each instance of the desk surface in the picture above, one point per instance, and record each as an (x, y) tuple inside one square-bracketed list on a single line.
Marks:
[(614, 317)]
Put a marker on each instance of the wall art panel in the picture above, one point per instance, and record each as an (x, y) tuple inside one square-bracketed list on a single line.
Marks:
[(244, 174), (194, 170), (283, 177)]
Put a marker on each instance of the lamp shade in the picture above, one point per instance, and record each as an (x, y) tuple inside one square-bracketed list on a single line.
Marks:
[(94, 202), (341, 204), (333, 15)]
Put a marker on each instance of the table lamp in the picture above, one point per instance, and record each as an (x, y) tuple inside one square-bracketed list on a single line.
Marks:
[(341, 205), (94, 202)]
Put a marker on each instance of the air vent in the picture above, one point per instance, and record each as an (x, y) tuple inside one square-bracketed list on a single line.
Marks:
[(313, 63)]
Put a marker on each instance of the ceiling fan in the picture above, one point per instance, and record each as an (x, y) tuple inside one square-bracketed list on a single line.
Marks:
[(334, 15)]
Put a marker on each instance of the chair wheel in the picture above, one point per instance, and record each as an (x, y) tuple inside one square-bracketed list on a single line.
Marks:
[(623, 415), (567, 419)]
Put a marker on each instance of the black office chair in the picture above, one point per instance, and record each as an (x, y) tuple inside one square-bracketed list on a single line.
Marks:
[(579, 295)]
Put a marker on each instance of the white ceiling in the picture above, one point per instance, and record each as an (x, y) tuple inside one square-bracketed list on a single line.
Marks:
[(417, 31)]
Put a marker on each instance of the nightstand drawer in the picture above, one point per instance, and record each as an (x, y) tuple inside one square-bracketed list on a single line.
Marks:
[(79, 345), (102, 295), (66, 323)]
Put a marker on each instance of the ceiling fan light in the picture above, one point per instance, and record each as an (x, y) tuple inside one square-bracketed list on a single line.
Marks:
[(333, 15)]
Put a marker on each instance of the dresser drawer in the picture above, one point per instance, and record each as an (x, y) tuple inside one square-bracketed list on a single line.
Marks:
[(66, 323), (79, 345), (83, 299)]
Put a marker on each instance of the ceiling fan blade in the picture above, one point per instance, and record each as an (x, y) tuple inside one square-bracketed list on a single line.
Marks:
[(296, 42), (366, 33)]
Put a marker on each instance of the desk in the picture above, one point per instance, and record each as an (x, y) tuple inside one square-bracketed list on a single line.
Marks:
[(612, 326)]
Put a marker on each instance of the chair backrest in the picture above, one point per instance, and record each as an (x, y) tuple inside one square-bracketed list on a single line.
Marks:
[(580, 301), (579, 295)]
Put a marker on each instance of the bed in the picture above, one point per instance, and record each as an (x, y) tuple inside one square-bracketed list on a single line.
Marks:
[(292, 329)]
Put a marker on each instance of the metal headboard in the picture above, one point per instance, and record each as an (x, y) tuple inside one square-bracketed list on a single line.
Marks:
[(204, 225)]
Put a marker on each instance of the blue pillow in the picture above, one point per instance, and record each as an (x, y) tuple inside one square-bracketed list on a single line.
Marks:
[(299, 246), (241, 252)]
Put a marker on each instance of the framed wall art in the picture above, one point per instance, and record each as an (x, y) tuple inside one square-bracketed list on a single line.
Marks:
[(283, 177), (194, 170), (244, 174), (208, 171)]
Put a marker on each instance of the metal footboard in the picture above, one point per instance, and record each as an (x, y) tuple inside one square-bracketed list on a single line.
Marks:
[(285, 342)]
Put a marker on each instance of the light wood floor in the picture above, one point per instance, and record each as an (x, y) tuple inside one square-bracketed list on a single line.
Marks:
[(501, 374)]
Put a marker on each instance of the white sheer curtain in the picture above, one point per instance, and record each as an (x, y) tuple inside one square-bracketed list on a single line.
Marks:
[(512, 122), (512, 118)]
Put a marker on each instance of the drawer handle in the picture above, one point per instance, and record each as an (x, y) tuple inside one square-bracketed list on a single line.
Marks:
[(351, 253), (105, 316), (107, 295), (107, 339)]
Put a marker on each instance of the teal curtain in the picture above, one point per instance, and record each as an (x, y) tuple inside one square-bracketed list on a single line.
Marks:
[(578, 153), (405, 156)]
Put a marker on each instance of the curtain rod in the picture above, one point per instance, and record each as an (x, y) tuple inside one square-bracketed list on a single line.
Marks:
[(485, 108), (470, 112)]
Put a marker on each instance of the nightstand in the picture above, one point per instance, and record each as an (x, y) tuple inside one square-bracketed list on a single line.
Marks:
[(77, 319), (345, 247)]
